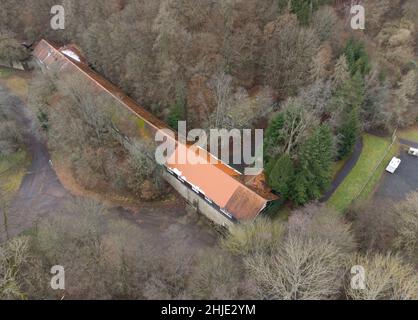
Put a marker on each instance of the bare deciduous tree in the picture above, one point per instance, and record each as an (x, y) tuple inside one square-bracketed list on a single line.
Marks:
[(407, 227), (299, 269), (289, 53), (387, 277), (324, 223), (297, 125), (374, 225), (222, 88), (376, 112), (404, 97), (217, 276), (10, 49)]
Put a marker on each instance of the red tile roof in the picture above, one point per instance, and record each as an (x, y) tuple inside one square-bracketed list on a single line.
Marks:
[(218, 181)]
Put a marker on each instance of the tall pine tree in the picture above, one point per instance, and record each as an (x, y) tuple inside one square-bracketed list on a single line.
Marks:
[(273, 137), (314, 171), (282, 175), (351, 98), (357, 58), (315, 161)]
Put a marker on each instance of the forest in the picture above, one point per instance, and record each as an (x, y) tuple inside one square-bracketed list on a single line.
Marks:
[(292, 67), (236, 64)]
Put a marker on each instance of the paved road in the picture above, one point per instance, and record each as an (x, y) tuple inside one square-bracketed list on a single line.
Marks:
[(41, 194), (409, 143), (348, 166), (405, 179)]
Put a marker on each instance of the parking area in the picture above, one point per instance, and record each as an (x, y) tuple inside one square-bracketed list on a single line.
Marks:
[(405, 179)]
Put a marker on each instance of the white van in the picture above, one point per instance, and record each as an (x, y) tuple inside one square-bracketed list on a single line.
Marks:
[(393, 165), (413, 151)]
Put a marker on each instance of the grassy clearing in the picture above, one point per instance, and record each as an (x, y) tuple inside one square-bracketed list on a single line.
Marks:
[(15, 81), (12, 170), (5, 72), (371, 186), (373, 150), (18, 85), (410, 134)]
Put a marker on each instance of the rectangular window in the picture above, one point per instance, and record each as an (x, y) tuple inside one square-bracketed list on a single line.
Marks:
[(226, 213)]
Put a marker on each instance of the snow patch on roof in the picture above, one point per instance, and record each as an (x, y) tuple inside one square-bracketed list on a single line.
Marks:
[(71, 54)]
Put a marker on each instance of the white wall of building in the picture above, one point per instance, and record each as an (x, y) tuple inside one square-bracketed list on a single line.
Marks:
[(195, 200)]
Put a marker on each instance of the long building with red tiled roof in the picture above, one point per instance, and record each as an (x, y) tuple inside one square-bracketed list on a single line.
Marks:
[(214, 187)]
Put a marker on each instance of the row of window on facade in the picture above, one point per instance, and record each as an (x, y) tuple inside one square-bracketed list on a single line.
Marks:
[(177, 173)]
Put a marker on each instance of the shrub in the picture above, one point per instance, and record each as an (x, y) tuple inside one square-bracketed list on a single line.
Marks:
[(262, 235)]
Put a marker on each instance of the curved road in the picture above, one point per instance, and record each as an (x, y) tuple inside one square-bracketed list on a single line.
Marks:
[(41, 194), (348, 166)]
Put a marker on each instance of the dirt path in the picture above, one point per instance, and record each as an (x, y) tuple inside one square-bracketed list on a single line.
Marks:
[(348, 166), (41, 194)]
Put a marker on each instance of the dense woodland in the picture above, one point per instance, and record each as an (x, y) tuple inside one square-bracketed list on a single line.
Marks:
[(236, 64), (308, 257), (81, 135), (293, 67)]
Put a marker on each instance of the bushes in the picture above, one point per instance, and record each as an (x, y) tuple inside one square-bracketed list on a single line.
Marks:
[(13, 256), (261, 236)]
